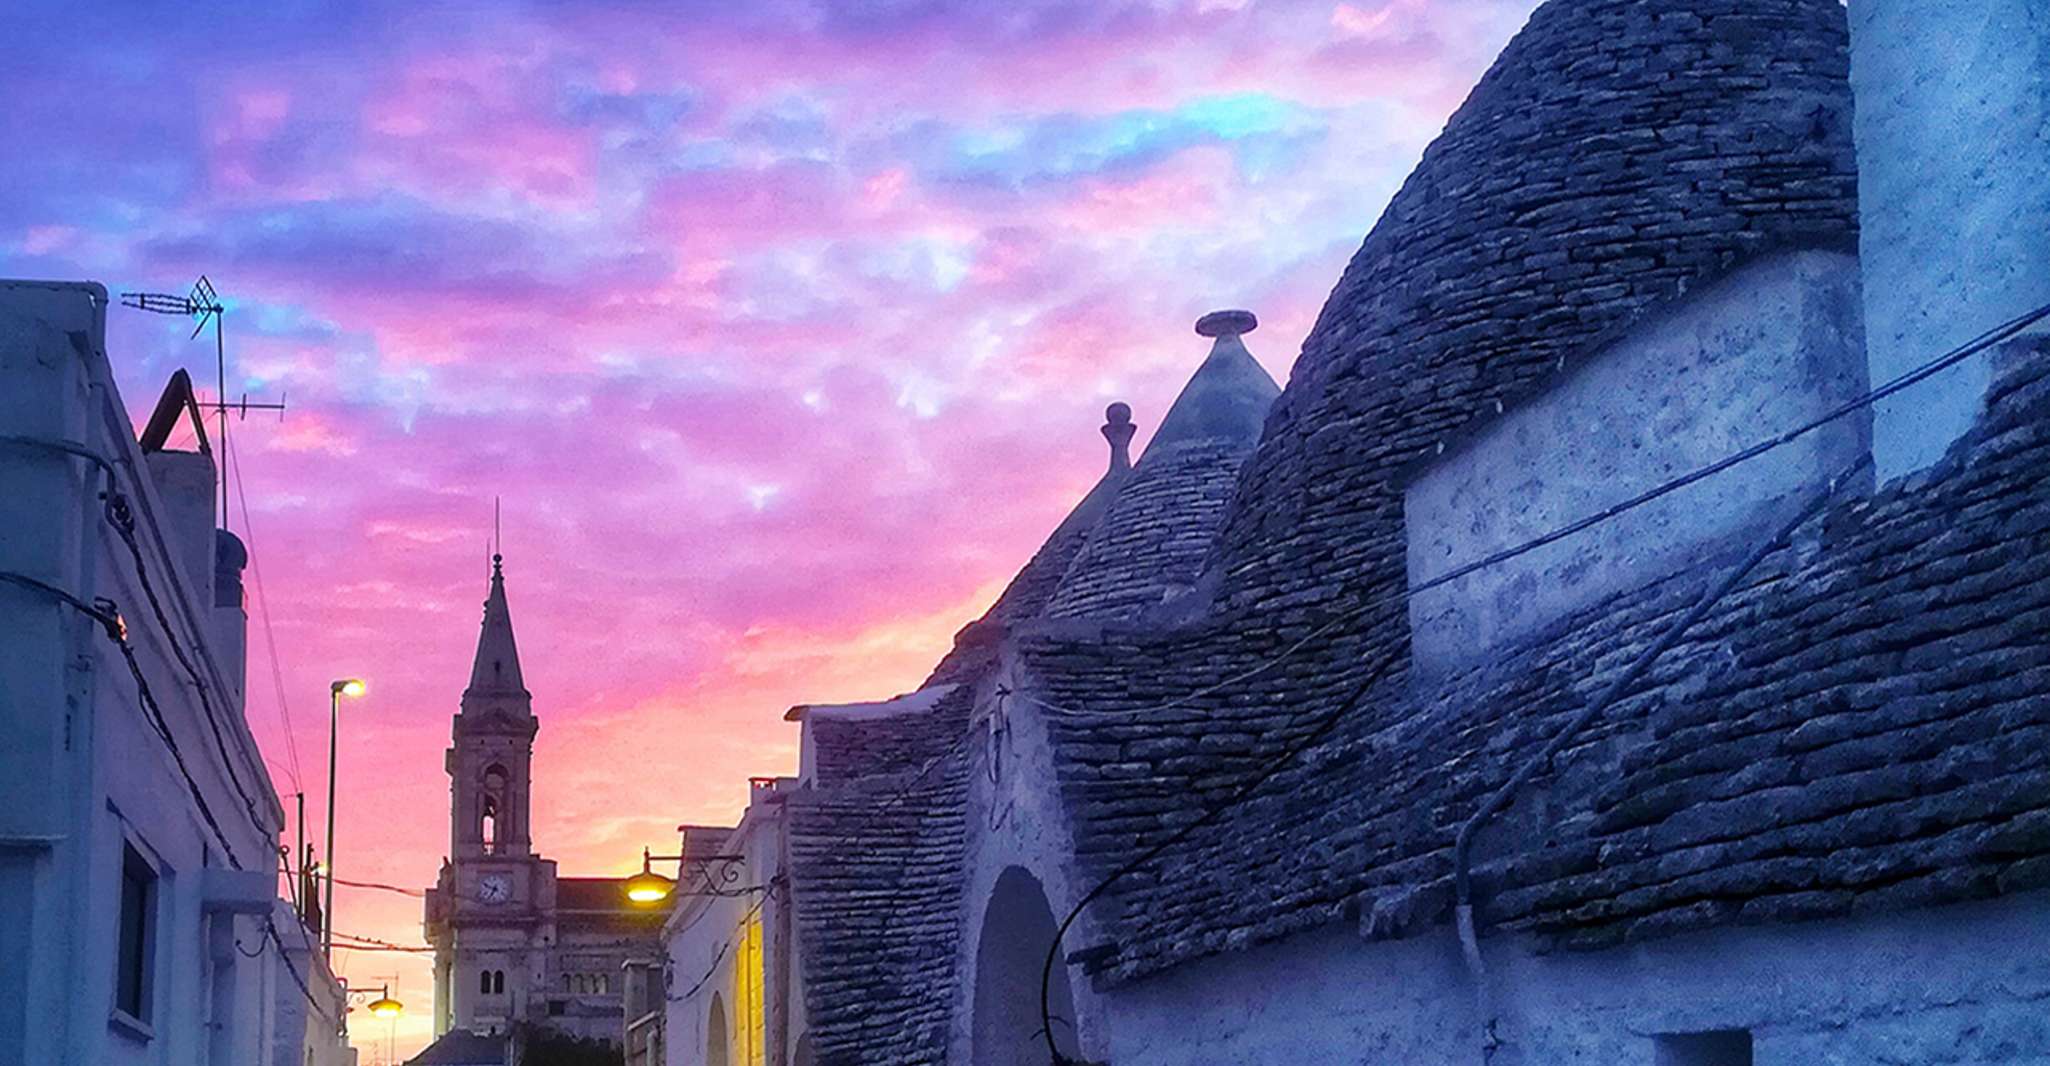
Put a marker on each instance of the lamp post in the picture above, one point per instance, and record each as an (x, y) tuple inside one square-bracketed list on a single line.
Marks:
[(347, 686), (648, 888), (384, 1006)]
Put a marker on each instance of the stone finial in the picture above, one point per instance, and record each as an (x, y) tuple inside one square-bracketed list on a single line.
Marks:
[(1118, 430), (1226, 324)]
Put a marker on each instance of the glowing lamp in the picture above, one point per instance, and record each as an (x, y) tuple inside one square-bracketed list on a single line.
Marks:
[(648, 887), (350, 686), (386, 1007)]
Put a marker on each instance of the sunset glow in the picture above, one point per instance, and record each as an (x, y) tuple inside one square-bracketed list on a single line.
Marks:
[(782, 332)]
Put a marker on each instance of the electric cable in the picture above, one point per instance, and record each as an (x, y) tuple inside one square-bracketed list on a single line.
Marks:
[(271, 927), (379, 885), (122, 519), (720, 954), (371, 943), (1996, 335), (834, 842), (107, 614), (1274, 766), (270, 640), (1462, 845)]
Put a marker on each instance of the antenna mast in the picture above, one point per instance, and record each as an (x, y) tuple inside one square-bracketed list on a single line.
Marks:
[(204, 303)]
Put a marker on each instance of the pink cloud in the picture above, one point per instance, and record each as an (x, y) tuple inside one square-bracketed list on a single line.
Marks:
[(779, 380)]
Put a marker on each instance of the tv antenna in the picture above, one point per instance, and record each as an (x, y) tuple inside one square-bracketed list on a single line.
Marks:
[(204, 303)]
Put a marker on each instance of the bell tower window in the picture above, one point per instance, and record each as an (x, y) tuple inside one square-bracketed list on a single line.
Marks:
[(492, 828)]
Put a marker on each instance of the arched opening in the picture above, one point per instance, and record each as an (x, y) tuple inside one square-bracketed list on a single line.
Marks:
[(493, 825), (1017, 929), (715, 1033), (484, 982), (487, 822)]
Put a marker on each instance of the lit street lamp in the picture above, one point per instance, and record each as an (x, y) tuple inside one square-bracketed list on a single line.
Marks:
[(384, 1006), (351, 687), (648, 888)]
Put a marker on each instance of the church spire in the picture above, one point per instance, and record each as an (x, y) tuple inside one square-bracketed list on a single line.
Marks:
[(497, 669)]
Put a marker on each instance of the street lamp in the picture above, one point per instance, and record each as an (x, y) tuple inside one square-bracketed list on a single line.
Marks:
[(384, 1006), (648, 888), (351, 687), (720, 872)]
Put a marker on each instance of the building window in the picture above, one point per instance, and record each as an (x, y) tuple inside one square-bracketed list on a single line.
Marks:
[(484, 982), (555, 1008), (497, 982), (1722, 1047), (604, 984), (569, 982), (137, 948)]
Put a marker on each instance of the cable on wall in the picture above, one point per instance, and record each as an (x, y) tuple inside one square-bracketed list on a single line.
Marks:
[(1274, 766), (107, 614), (1980, 343)]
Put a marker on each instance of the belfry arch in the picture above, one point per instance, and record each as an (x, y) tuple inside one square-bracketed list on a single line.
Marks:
[(1017, 930)]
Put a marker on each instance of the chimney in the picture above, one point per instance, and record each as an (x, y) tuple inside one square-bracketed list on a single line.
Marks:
[(230, 613), (1118, 430), (185, 487)]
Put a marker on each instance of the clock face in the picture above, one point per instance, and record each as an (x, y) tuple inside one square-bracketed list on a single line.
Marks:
[(494, 888)]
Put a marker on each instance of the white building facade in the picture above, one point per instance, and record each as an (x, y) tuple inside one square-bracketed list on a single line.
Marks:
[(138, 829), (729, 991)]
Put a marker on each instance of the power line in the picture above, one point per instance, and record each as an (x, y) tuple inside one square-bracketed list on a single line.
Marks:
[(1898, 384), (1462, 845), (379, 885), (107, 614), (369, 943), (1274, 766), (270, 926), (720, 954), (270, 640), (119, 515)]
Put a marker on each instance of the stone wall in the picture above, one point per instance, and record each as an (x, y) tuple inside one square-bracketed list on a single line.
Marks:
[(1616, 154), (1772, 347), (1878, 989), (1861, 725), (1953, 131)]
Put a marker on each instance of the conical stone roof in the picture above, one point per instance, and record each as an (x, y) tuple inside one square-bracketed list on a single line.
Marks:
[(1152, 542)]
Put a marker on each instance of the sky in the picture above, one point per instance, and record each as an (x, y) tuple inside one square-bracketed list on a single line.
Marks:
[(782, 330)]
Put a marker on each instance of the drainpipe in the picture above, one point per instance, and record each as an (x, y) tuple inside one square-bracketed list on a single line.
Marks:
[(1462, 847)]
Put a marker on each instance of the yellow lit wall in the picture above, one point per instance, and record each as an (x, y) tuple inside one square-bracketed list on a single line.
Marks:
[(750, 1030)]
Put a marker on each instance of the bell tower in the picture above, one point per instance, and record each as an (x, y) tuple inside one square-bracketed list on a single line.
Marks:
[(488, 915), (490, 764)]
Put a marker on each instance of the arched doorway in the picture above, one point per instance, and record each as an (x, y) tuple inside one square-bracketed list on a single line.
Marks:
[(1017, 929), (715, 1033)]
